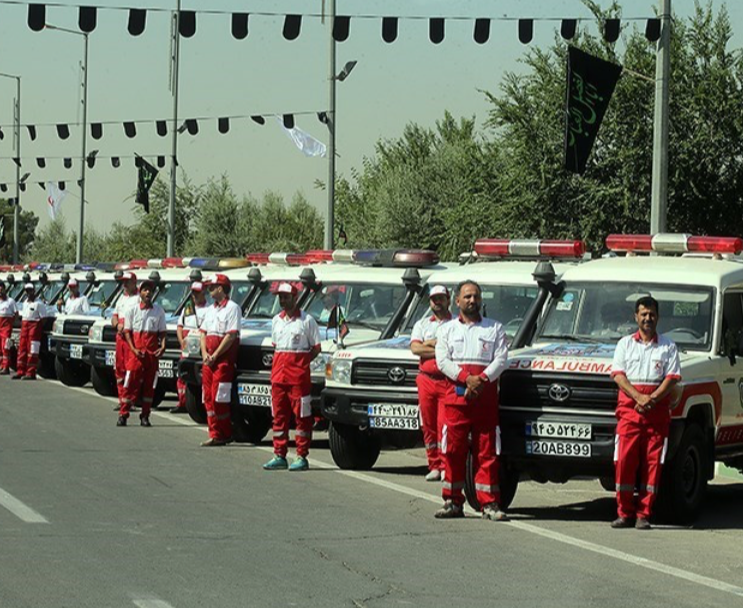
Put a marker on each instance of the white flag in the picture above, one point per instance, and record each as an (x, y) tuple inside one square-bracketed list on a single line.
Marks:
[(54, 199), (304, 141)]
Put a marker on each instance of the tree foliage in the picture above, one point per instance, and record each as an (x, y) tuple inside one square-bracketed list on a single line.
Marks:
[(27, 231)]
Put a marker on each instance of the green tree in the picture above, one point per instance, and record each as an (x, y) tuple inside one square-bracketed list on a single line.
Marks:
[(27, 231), (54, 243), (217, 230)]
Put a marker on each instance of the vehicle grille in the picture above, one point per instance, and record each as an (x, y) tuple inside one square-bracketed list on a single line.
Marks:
[(531, 389), (377, 373), (77, 328), (254, 358)]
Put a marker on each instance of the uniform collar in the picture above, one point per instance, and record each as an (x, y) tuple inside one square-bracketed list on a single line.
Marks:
[(463, 322), (221, 304), (447, 317), (143, 306), (298, 313), (637, 337)]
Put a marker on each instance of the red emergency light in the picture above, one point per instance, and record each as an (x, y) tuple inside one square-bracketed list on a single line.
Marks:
[(173, 263), (674, 243), (314, 256), (257, 258), (529, 248), (137, 264)]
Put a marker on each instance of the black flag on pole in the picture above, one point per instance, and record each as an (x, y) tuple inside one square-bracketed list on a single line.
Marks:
[(590, 84), (147, 175)]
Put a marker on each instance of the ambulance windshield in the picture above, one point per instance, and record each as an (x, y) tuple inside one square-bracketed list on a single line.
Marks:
[(504, 303), (605, 312), (100, 294), (170, 296), (369, 305)]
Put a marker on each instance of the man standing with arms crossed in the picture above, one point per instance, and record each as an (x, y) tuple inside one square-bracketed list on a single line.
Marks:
[(296, 340), (8, 313), (75, 303), (144, 332), (128, 297), (472, 352), (191, 319), (220, 341), (432, 384), (646, 367)]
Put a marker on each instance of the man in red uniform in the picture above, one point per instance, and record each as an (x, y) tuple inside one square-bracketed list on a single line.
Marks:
[(296, 341), (646, 367), (220, 341), (471, 351), (144, 332), (432, 384), (8, 313), (191, 319), (29, 345), (128, 297)]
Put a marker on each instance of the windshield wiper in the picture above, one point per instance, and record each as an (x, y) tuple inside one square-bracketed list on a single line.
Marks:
[(365, 325), (571, 338)]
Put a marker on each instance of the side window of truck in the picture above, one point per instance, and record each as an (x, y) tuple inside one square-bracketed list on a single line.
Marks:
[(732, 321)]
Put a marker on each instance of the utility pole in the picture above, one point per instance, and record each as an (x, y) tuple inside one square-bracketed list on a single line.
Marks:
[(659, 200), (173, 160), (17, 206), (330, 219), (81, 231)]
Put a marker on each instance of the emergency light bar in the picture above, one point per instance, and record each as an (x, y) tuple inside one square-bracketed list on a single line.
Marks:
[(106, 266), (403, 258), (257, 258), (173, 263), (217, 263), (529, 248), (315, 256), (674, 243)]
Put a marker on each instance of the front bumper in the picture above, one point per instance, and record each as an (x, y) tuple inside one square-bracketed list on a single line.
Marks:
[(60, 346), (352, 407)]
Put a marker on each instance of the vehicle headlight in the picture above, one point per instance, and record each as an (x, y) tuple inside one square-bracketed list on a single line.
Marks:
[(193, 345), (95, 333), (58, 327), (340, 371), (317, 366)]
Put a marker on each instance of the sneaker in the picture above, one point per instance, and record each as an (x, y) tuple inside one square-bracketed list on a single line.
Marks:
[(276, 463), (28, 378), (493, 512), (434, 475), (449, 511), (642, 524), (4, 372), (144, 421), (621, 522), (121, 421), (17, 376), (300, 464), (213, 442)]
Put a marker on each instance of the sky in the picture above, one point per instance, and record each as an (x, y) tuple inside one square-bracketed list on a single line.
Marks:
[(392, 84)]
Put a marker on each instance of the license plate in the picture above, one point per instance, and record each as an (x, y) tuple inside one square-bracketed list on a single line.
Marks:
[(254, 394), (110, 358), (401, 416), (165, 368), (558, 430), (546, 447), (76, 351)]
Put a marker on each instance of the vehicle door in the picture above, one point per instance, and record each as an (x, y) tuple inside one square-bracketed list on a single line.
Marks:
[(729, 362)]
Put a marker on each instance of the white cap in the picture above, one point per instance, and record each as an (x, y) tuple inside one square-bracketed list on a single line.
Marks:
[(72, 283), (287, 288), (29, 286), (438, 290), (197, 286)]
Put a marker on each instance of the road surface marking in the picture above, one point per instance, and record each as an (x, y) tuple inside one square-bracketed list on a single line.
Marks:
[(151, 602), (21, 510)]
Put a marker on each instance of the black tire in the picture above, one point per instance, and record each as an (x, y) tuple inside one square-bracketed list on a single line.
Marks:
[(194, 404), (353, 448), (71, 373), (608, 483), (508, 482), (684, 479), (103, 382), (250, 424), (47, 366)]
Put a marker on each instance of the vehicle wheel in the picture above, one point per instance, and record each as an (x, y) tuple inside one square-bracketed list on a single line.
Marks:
[(608, 483), (71, 373), (684, 479), (508, 482), (103, 382), (353, 448), (194, 404), (47, 366), (250, 424)]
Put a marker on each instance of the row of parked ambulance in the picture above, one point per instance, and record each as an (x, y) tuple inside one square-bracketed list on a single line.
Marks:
[(563, 310)]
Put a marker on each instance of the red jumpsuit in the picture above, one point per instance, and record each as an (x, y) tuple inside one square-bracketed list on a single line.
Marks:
[(8, 311), (188, 323), (478, 349), (432, 387), (641, 439), (294, 338), (216, 381), (29, 345), (146, 326), (122, 348)]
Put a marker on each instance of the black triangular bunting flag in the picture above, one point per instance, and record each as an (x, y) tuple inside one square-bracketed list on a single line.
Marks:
[(223, 125), (88, 18), (341, 27), (130, 129), (162, 128), (31, 132), (137, 21), (292, 26), (36, 17), (240, 25), (482, 30), (96, 130), (436, 30), (389, 29), (187, 23), (63, 131)]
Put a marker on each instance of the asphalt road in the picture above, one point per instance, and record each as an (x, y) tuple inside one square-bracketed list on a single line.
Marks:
[(99, 516)]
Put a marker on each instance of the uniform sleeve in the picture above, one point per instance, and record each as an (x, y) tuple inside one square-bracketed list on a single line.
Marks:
[(233, 320), (417, 333), (619, 364), (500, 356), (128, 318), (273, 332), (673, 365), (182, 318), (85, 304), (313, 333), (207, 320), (444, 361)]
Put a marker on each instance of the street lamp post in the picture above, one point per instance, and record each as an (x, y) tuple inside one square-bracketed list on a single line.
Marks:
[(173, 161), (79, 253), (659, 189), (17, 148)]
